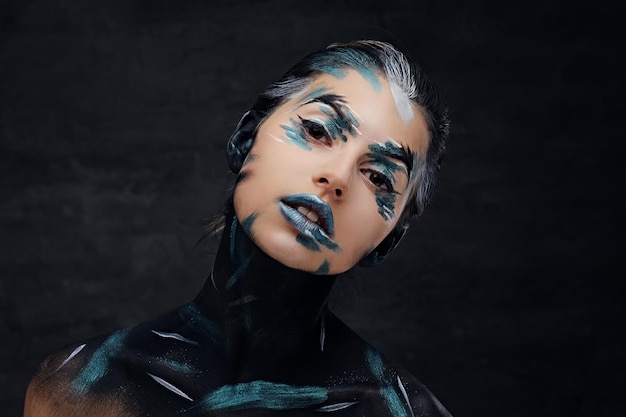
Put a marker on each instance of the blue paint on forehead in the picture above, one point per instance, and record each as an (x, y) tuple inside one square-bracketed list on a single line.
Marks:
[(98, 364), (263, 394), (335, 61)]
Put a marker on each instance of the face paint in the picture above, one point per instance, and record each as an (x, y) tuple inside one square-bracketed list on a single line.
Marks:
[(386, 202), (339, 120), (248, 221), (382, 157), (296, 134), (308, 242), (337, 63), (323, 269), (391, 150)]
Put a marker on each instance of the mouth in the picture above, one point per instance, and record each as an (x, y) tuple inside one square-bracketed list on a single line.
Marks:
[(311, 216)]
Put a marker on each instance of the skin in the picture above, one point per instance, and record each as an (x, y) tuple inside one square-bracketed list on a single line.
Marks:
[(340, 163)]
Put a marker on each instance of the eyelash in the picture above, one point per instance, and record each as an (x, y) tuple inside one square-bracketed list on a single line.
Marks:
[(386, 183), (316, 131)]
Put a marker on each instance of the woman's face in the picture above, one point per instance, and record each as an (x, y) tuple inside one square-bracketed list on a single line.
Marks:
[(330, 172)]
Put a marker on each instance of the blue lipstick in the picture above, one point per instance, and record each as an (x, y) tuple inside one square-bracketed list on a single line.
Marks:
[(321, 229)]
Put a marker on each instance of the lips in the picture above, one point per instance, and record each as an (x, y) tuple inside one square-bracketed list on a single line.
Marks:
[(311, 216)]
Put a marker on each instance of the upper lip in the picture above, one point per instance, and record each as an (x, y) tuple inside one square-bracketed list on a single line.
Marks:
[(315, 204)]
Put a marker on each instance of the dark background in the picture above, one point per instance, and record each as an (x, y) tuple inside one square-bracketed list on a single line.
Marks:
[(506, 298)]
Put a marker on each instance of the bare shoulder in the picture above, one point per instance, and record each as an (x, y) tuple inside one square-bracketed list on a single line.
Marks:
[(396, 390), (51, 393)]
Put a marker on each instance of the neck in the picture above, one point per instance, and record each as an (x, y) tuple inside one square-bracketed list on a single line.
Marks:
[(269, 312)]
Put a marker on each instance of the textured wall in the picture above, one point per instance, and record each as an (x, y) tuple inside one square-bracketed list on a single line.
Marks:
[(506, 298)]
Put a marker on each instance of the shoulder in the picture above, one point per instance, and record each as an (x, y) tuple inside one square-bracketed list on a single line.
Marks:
[(53, 391), (391, 389)]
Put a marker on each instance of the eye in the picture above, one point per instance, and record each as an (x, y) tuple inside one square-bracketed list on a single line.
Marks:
[(379, 180), (316, 131)]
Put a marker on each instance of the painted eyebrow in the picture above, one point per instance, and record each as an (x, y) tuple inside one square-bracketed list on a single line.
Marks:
[(401, 153)]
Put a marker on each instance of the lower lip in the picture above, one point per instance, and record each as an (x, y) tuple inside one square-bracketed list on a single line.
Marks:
[(306, 226)]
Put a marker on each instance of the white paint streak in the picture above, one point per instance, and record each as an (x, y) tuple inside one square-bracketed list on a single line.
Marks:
[(175, 336), (74, 353), (403, 103), (336, 407), (213, 280), (169, 386), (322, 333), (405, 395)]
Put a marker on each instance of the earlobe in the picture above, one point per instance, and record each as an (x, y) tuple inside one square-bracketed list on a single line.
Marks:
[(382, 251), (241, 140)]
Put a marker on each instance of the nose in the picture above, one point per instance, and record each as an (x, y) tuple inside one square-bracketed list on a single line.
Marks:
[(334, 178)]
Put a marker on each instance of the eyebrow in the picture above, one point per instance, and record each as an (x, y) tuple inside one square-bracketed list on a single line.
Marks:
[(335, 102), (391, 150)]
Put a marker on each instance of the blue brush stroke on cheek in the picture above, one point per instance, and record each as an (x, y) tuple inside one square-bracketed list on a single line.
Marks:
[(323, 269), (386, 202), (248, 222), (391, 398), (263, 394), (98, 364), (296, 134), (308, 242)]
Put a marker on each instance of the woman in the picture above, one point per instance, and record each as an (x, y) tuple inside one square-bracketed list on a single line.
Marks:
[(332, 162)]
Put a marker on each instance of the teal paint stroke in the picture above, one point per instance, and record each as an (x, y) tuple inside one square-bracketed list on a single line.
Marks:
[(263, 394), (323, 269), (177, 366), (335, 60), (201, 324), (98, 364), (386, 202), (318, 92), (296, 134), (390, 396), (308, 242), (243, 267), (248, 222), (390, 150)]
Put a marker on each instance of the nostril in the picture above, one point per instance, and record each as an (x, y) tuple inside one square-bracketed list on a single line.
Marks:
[(338, 192), (323, 180)]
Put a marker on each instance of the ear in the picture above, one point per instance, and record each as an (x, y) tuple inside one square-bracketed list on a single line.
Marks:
[(380, 252), (241, 140)]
